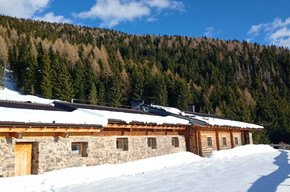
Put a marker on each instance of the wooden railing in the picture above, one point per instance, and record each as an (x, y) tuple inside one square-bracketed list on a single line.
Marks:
[(281, 146)]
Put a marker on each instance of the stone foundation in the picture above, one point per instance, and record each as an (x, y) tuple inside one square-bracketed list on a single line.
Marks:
[(52, 153)]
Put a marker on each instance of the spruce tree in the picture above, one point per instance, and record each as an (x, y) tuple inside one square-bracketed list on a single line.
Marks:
[(46, 83), (101, 93), (64, 86), (115, 91), (137, 84), (93, 95)]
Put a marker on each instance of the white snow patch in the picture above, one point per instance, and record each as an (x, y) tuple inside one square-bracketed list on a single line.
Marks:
[(81, 175), (130, 117), (224, 122), (11, 94), (240, 151), (168, 109), (40, 116), (267, 170)]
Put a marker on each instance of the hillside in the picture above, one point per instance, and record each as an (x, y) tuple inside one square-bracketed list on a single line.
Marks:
[(238, 80)]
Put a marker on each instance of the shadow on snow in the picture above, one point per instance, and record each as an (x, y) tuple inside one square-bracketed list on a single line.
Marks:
[(270, 182)]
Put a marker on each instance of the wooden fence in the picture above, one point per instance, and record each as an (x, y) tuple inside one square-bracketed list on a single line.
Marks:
[(281, 146)]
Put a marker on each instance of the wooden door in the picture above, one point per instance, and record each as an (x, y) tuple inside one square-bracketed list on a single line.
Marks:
[(23, 154)]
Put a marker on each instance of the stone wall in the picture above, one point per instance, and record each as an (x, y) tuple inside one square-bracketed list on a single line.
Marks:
[(52, 153)]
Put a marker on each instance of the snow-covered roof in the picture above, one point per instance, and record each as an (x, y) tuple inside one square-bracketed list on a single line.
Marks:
[(208, 119), (98, 116), (81, 115), (226, 122)]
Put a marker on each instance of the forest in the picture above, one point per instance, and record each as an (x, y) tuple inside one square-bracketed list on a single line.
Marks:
[(237, 80)]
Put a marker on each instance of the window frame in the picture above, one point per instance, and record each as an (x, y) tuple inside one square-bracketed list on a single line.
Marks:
[(175, 141), (224, 141), (209, 142), (236, 141), (80, 144), (122, 144), (151, 142)]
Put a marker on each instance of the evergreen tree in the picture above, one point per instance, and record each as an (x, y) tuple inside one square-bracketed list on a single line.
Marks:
[(137, 84), (183, 95), (101, 94), (64, 86), (46, 82), (115, 91), (30, 74), (79, 81), (159, 96), (93, 95)]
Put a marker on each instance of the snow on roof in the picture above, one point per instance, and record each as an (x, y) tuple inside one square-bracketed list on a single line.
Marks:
[(145, 118), (82, 116), (225, 122), (168, 109), (78, 116)]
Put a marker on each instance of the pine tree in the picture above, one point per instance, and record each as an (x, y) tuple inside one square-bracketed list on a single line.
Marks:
[(64, 86), (79, 81), (115, 91), (183, 95), (101, 93), (46, 83), (30, 74), (159, 96), (93, 95), (137, 84)]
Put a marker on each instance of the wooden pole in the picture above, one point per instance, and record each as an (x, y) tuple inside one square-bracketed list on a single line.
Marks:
[(217, 139)]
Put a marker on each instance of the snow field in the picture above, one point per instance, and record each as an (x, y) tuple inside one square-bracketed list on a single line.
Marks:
[(232, 170)]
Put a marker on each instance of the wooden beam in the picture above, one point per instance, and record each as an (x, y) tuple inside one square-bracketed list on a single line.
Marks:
[(217, 139), (232, 139), (160, 127), (48, 129)]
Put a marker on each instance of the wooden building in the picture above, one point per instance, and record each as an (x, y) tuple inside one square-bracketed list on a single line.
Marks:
[(37, 138)]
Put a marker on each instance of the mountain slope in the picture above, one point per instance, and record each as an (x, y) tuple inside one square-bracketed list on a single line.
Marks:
[(238, 80)]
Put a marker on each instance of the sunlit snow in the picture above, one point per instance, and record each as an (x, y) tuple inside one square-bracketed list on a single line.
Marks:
[(257, 168)]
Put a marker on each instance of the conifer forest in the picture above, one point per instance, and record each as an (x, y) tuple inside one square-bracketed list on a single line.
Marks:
[(233, 79)]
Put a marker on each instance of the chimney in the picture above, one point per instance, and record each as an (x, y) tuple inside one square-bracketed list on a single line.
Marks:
[(191, 107)]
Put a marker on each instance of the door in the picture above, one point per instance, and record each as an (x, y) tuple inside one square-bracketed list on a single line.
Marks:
[(246, 137), (23, 157)]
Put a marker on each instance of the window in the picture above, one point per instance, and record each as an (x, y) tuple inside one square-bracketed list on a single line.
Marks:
[(236, 141), (152, 143), (175, 142), (209, 141), (122, 144), (79, 149), (224, 141)]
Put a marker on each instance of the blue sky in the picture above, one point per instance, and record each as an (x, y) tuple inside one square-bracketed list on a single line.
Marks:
[(263, 21)]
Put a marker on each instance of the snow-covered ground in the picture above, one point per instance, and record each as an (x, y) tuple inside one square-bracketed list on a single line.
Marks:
[(253, 168), (9, 92)]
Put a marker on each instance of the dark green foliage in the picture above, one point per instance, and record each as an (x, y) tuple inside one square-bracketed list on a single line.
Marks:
[(101, 94), (261, 137), (183, 95), (46, 77), (137, 83), (93, 95), (237, 80), (115, 91), (30, 70)]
